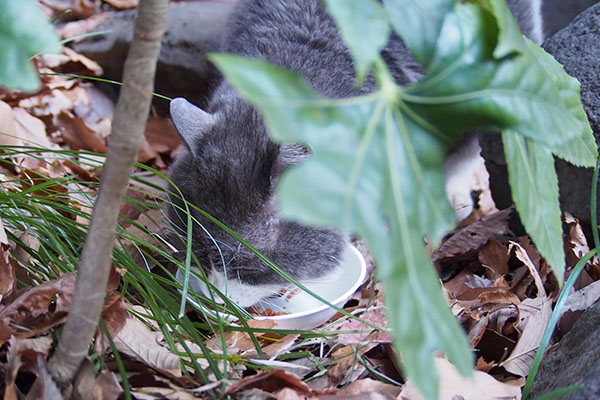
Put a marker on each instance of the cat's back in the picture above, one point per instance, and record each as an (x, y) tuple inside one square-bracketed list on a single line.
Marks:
[(294, 34)]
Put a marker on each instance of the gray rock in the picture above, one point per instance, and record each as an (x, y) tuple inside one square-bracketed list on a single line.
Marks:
[(558, 13), (577, 48), (193, 29), (575, 360)]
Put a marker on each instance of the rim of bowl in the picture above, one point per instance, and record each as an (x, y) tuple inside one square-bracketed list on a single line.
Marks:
[(342, 297), (361, 278)]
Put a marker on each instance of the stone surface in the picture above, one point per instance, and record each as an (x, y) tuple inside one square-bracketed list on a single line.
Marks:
[(193, 29), (576, 359), (558, 13), (577, 48)]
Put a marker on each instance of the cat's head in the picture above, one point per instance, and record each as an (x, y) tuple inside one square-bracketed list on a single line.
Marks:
[(230, 170)]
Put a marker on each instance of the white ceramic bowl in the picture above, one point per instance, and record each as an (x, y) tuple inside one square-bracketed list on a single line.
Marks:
[(303, 311)]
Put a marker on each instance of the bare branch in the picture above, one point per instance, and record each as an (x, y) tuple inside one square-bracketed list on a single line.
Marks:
[(127, 131)]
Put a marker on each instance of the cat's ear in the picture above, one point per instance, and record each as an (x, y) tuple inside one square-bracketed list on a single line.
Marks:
[(191, 122)]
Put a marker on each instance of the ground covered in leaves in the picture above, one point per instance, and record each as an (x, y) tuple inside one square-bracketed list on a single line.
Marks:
[(495, 282)]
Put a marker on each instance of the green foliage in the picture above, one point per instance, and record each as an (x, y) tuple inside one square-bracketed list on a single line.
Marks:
[(24, 32), (376, 164), (533, 182), (364, 43)]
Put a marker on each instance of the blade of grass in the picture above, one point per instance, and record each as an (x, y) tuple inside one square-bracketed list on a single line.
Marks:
[(558, 393)]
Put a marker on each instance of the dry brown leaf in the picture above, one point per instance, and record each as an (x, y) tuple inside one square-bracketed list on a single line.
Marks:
[(161, 135), (483, 365), (347, 358), (270, 381), (79, 28), (583, 298), (147, 153), (534, 316), (89, 64), (28, 356), (137, 341), (289, 394), (376, 316), (84, 385), (497, 296), (115, 316), (26, 351), (494, 257), (78, 136), (39, 308), (30, 130), (122, 4), (7, 270), (87, 385), (13, 365), (239, 342), (31, 243), (525, 259), (153, 222), (44, 386), (472, 237), (39, 345), (367, 385), (281, 346), (110, 386), (153, 393), (3, 238), (461, 286), (453, 385), (51, 60), (576, 236), (363, 396), (48, 103), (576, 303), (114, 278), (8, 130), (576, 247)]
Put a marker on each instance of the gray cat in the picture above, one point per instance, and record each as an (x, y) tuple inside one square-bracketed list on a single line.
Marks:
[(232, 167)]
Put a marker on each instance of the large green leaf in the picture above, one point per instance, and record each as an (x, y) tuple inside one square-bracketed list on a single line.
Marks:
[(373, 172), (24, 32), (580, 150), (418, 23), (364, 27), (534, 187), (469, 87)]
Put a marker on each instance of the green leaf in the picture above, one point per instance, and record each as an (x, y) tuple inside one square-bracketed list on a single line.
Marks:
[(418, 23), (534, 188), (510, 38), (24, 32), (468, 87), (374, 172), (364, 27), (580, 150)]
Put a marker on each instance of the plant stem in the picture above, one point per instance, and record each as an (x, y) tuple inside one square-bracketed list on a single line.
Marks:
[(128, 127)]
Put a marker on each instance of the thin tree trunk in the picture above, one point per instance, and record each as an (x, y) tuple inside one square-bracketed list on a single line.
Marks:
[(127, 130)]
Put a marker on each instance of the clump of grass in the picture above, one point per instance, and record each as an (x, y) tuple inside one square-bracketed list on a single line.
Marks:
[(52, 211)]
